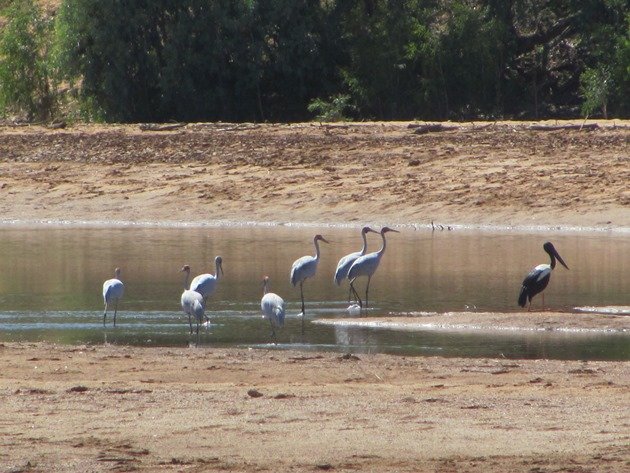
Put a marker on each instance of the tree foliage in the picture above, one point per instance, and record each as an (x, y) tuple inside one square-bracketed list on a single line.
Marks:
[(267, 60), (24, 68)]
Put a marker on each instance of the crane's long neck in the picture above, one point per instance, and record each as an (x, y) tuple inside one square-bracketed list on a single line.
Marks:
[(316, 242), (186, 276), (217, 270), (383, 246), (265, 287), (364, 248)]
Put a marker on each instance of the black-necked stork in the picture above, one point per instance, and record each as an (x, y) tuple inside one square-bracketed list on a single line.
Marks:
[(538, 278)]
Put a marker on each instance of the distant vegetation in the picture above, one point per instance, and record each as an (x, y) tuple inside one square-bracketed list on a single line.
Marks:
[(291, 60)]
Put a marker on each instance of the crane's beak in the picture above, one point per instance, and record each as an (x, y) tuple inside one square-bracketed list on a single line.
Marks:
[(559, 258), (324, 240), (221, 268)]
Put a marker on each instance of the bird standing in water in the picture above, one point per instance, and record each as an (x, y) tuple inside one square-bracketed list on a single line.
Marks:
[(205, 284), (538, 278), (367, 265), (113, 290), (345, 263), (272, 306), (192, 302), (304, 268)]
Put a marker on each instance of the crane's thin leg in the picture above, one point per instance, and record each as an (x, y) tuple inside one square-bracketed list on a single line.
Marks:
[(356, 294), (367, 290), (190, 323), (104, 314), (302, 295), (115, 311), (273, 331), (349, 295), (529, 307)]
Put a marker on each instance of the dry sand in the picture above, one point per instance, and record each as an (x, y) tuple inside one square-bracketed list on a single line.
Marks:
[(112, 408), (503, 174), (116, 408)]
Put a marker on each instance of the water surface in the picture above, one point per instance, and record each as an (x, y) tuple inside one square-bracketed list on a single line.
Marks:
[(51, 282)]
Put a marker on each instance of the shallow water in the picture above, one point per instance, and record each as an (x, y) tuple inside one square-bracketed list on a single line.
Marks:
[(51, 280)]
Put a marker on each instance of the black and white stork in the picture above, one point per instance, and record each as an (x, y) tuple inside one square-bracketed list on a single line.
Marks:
[(538, 278)]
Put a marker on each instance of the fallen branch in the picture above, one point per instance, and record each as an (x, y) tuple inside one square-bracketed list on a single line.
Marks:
[(588, 127), (160, 126), (430, 128)]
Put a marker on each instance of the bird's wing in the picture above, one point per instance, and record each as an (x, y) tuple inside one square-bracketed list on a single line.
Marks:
[(204, 283), (363, 265), (536, 275), (198, 309), (301, 269), (344, 266)]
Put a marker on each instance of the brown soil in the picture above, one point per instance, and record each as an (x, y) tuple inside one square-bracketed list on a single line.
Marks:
[(111, 408), (481, 174)]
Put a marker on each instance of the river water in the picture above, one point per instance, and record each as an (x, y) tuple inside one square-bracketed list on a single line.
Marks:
[(51, 287)]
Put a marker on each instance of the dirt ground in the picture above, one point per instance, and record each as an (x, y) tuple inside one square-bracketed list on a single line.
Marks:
[(504, 174), (118, 408), (113, 408)]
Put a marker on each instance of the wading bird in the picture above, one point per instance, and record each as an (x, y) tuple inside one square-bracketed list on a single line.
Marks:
[(367, 265), (306, 267), (538, 278), (344, 263), (192, 302), (205, 284), (113, 290), (272, 306)]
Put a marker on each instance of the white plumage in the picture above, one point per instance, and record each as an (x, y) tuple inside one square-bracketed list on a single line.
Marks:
[(306, 267), (205, 284), (367, 265), (113, 290), (192, 302), (193, 306), (345, 263), (272, 306)]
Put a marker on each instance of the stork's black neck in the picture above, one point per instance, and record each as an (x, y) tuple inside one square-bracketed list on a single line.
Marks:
[(553, 259)]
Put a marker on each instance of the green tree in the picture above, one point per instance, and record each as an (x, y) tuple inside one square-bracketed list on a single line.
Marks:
[(25, 87), (595, 86)]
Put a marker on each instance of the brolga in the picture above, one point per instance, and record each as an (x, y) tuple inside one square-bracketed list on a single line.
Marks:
[(272, 306), (192, 302), (205, 284), (304, 268), (113, 290), (367, 265), (538, 278), (344, 264)]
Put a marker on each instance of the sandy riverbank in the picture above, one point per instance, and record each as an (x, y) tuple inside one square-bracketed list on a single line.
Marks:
[(112, 408), (503, 173)]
